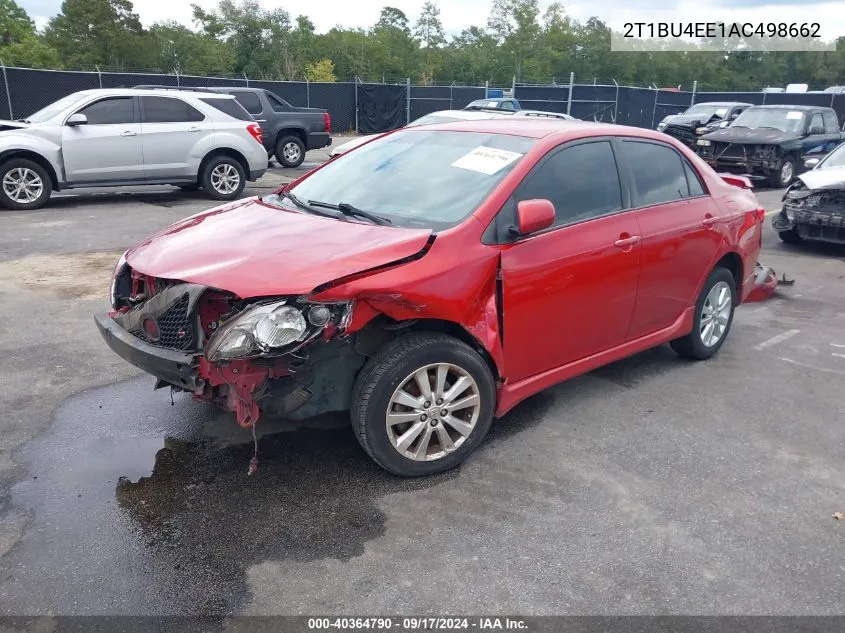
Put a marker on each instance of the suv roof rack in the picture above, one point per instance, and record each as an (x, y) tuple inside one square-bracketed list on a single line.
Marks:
[(180, 88)]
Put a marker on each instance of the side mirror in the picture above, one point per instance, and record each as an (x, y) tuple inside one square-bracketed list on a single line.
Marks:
[(733, 116), (811, 162), (534, 215), (77, 119)]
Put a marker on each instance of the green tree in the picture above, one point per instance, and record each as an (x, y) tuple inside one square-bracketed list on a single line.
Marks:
[(20, 44), (429, 31), (179, 49), (15, 23), (515, 26), (322, 70), (105, 32), (394, 50)]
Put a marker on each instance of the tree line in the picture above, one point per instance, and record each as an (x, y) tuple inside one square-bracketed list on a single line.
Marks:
[(518, 39)]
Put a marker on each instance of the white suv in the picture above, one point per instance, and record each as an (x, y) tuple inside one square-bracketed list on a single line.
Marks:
[(130, 136)]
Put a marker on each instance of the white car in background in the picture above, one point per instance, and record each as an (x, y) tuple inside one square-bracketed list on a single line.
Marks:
[(449, 116)]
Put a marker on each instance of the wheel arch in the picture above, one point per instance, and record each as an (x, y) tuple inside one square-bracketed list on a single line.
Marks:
[(733, 263), (223, 151), (35, 157), (291, 131)]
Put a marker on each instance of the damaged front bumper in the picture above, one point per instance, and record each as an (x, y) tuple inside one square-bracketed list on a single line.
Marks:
[(173, 367), (824, 223)]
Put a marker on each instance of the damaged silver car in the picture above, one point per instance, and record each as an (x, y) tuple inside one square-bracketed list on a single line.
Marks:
[(814, 206)]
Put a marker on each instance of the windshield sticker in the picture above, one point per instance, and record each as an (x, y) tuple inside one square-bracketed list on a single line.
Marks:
[(491, 104), (793, 115), (486, 160)]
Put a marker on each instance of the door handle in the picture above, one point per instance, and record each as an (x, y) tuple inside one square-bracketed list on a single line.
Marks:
[(128, 133), (709, 221), (193, 129), (627, 241)]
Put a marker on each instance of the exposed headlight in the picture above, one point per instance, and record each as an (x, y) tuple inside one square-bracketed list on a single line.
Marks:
[(701, 130), (113, 289), (703, 142), (269, 326), (661, 125)]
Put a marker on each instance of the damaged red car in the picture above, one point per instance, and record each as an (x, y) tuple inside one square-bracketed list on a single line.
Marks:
[(434, 278)]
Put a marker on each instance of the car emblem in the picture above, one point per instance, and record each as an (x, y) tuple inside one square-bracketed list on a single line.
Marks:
[(151, 330), (181, 333)]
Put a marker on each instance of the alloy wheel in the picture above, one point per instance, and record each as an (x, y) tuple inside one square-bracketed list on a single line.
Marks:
[(225, 178), (23, 185), (433, 411), (715, 314), (291, 152)]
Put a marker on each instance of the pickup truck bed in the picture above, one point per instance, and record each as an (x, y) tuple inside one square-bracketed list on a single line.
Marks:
[(287, 131)]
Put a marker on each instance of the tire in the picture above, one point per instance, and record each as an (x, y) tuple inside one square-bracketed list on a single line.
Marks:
[(38, 184), (394, 366), (290, 151), (223, 178), (786, 174), (790, 237), (696, 345)]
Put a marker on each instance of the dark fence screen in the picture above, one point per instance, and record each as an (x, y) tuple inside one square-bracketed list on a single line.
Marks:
[(380, 107)]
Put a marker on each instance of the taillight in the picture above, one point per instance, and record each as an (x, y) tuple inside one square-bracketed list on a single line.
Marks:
[(255, 130), (761, 214), (327, 121)]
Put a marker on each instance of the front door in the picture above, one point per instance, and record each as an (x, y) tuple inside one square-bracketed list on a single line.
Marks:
[(569, 292), (108, 147), (171, 129)]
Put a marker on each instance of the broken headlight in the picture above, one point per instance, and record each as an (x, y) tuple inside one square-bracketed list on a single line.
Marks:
[(269, 327), (114, 277)]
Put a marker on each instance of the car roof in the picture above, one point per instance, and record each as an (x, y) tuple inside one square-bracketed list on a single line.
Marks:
[(175, 91), (782, 106), (539, 127), (469, 115), (493, 99), (721, 103)]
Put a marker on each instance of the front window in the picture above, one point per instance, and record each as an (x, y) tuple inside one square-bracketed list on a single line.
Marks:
[(416, 178), (56, 108), (707, 111), (775, 119), (835, 159)]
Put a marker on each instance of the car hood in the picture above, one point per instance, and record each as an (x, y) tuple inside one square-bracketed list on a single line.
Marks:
[(252, 249), (743, 135), (830, 178), (685, 120)]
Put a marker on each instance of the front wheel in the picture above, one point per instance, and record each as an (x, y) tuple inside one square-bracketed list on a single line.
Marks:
[(786, 174), (423, 404), (25, 184), (714, 313), (223, 178), (790, 236)]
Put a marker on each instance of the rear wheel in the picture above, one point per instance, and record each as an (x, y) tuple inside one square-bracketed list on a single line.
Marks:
[(223, 178), (790, 236), (714, 313), (423, 404), (290, 151), (24, 184)]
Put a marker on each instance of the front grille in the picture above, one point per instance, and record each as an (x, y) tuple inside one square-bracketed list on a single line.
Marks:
[(175, 326), (728, 150), (683, 134), (821, 225)]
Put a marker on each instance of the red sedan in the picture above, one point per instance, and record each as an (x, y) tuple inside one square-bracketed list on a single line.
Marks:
[(434, 278)]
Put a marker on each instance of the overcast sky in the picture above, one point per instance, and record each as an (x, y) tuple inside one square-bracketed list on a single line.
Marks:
[(458, 14)]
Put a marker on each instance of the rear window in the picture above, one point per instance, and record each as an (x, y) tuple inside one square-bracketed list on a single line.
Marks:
[(230, 107), (249, 100)]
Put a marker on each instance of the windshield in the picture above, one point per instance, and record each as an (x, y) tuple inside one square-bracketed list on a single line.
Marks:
[(432, 119), (416, 178), (708, 111), (779, 119), (55, 108), (835, 159)]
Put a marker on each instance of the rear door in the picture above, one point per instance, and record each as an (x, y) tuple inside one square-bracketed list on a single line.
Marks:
[(681, 230), (569, 292), (108, 147), (815, 143), (170, 129)]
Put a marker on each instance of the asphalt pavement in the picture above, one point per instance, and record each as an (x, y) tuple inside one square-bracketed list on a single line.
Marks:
[(651, 486)]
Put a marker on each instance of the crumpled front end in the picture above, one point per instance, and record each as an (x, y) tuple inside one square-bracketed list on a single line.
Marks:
[(752, 160), (814, 214), (284, 355)]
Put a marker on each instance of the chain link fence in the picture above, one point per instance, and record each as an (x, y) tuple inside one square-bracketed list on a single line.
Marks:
[(25, 90)]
